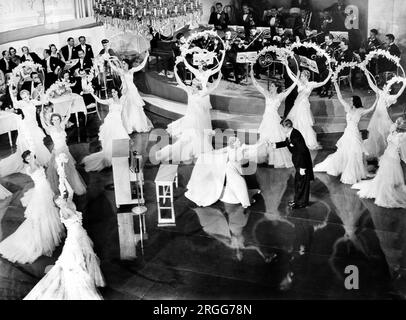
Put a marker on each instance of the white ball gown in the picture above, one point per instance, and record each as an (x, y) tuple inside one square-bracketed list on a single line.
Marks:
[(348, 159), (41, 231), (4, 193), (73, 177), (271, 130), (30, 137), (206, 185), (192, 132), (388, 186), (133, 115), (302, 117), (111, 129), (379, 128), (76, 274)]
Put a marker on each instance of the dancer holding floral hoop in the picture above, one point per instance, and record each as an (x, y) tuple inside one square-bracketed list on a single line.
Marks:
[(301, 114)]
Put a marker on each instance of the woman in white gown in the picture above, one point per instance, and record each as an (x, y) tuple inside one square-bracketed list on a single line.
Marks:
[(133, 115), (380, 123), (111, 129), (193, 131), (388, 187), (217, 175), (42, 230), (56, 129), (4, 193), (30, 136), (270, 129), (348, 160), (301, 114), (76, 274)]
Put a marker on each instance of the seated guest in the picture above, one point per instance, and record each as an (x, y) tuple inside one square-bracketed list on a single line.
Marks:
[(107, 49), (87, 48), (16, 59), (52, 66), (6, 65), (30, 56), (30, 86), (69, 51), (54, 52), (81, 85), (219, 18), (247, 19), (84, 63)]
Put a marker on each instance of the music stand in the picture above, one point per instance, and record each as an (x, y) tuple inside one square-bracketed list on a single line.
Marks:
[(247, 58)]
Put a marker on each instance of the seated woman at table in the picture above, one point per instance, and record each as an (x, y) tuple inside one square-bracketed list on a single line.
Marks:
[(111, 129), (56, 129), (67, 78), (30, 135)]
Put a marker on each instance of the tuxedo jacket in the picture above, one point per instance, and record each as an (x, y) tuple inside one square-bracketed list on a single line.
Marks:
[(87, 65), (65, 52), (219, 23), (88, 51), (394, 50), (3, 66), (34, 57), (301, 157), (55, 62)]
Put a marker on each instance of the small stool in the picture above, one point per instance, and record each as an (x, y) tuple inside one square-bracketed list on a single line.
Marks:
[(166, 177)]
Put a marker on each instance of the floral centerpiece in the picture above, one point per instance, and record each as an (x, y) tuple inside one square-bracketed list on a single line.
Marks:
[(58, 89), (23, 71)]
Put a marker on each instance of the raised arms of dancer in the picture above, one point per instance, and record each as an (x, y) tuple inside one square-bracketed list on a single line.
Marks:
[(372, 85), (345, 104), (101, 101), (114, 67), (257, 85), (215, 84), (141, 66), (295, 79)]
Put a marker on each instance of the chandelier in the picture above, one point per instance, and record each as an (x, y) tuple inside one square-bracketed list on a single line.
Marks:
[(163, 16)]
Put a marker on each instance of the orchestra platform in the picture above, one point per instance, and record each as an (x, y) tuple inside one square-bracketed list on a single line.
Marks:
[(240, 107)]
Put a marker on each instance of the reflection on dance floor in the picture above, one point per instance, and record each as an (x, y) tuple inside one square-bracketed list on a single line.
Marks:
[(226, 252)]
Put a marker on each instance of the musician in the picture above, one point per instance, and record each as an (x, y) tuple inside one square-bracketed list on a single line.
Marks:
[(273, 19), (219, 18), (329, 45), (326, 21), (237, 68), (247, 19), (331, 48), (393, 50), (299, 26), (301, 4), (371, 44), (337, 13)]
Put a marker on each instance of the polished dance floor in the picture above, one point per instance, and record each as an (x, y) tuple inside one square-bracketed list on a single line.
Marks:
[(224, 251)]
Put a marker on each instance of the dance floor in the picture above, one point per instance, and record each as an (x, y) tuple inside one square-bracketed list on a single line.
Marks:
[(225, 252)]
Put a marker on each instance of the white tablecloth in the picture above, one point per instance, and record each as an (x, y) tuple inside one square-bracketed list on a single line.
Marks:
[(8, 123), (61, 104)]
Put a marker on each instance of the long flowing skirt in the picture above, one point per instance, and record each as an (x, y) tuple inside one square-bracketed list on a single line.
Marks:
[(76, 273), (348, 159), (388, 187), (271, 130), (235, 190), (111, 129), (378, 131), (40, 233), (302, 118), (72, 175), (133, 115), (4, 193)]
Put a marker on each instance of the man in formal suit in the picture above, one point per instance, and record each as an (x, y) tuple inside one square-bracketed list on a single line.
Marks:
[(84, 63), (30, 56), (219, 18), (30, 86), (247, 20), (6, 65), (87, 48), (69, 52), (393, 50), (14, 56), (52, 66), (301, 160)]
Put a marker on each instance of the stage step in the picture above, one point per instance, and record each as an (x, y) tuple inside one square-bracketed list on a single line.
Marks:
[(239, 122), (231, 98)]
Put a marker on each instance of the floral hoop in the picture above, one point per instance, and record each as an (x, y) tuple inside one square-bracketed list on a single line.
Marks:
[(17, 71), (386, 55), (311, 45), (265, 58), (344, 65), (392, 81)]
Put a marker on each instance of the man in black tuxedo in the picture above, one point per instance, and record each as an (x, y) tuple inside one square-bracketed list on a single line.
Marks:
[(301, 160), (87, 48), (247, 20), (52, 66), (30, 56), (393, 50), (6, 65), (69, 51), (84, 63), (219, 18)]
